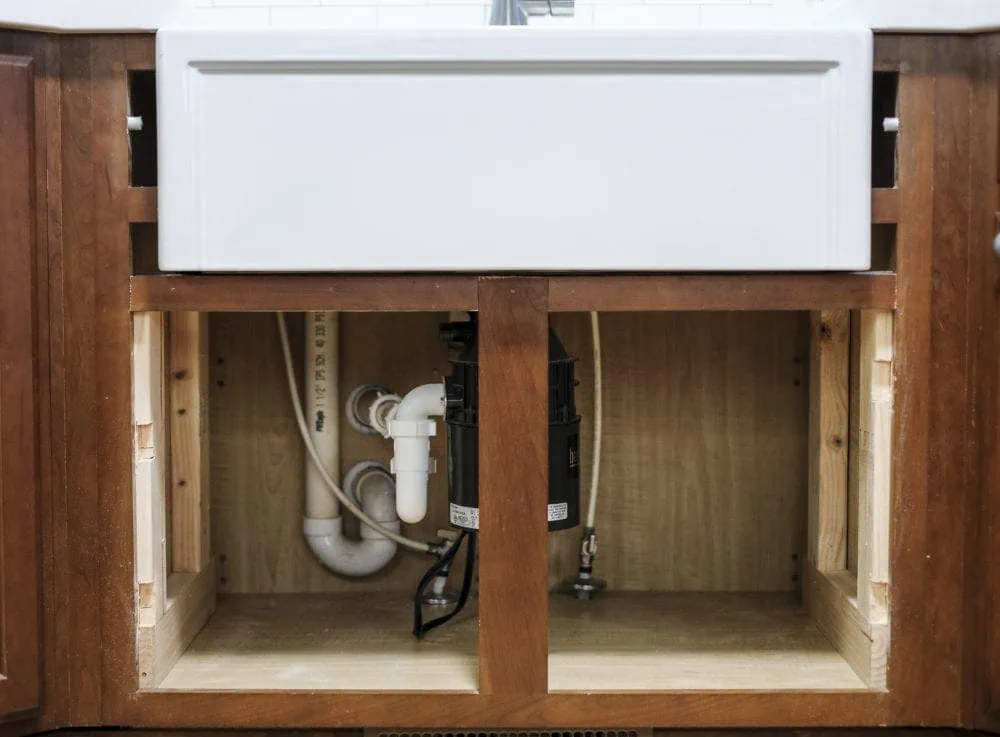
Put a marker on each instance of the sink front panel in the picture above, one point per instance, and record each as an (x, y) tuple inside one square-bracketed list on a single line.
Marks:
[(514, 149)]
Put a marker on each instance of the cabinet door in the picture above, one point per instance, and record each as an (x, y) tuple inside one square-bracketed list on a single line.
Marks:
[(19, 529)]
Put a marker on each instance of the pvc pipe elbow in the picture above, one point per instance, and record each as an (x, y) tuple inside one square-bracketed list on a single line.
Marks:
[(354, 558), (420, 403), (411, 430)]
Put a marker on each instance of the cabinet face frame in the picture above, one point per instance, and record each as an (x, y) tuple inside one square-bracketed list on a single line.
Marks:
[(924, 607), (20, 686), (983, 597)]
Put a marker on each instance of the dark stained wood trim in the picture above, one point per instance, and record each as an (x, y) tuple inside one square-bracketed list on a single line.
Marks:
[(113, 332), (44, 51), (908, 594), (930, 397), (708, 709), (952, 462), (56, 639), (982, 521), (268, 293), (78, 378), (606, 293), (887, 53), (679, 292), (513, 485), (20, 549), (142, 204), (140, 52), (885, 206)]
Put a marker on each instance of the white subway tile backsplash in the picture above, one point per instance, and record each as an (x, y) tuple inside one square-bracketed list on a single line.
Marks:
[(457, 13), (263, 3), (736, 16), (432, 16), (340, 16), (219, 17), (375, 2), (673, 15)]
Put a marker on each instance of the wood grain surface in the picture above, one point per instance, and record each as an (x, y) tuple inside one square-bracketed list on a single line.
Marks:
[(20, 589), (267, 293), (684, 641), (829, 379), (44, 50), (714, 292), (981, 628), (513, 485), (704, 467), (345, 641)]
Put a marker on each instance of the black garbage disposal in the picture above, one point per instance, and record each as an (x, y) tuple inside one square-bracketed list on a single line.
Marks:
[(462, 420)]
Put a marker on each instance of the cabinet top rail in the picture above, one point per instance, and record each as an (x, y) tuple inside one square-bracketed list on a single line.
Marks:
[(567, 293)]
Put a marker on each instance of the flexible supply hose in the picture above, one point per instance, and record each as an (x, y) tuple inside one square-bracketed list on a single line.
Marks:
[(595, 467), (314, 456)]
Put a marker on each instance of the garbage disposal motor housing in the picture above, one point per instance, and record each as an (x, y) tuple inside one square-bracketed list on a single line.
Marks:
[(462, 420)]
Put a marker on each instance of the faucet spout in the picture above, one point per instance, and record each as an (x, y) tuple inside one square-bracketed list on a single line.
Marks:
[(508, 13)]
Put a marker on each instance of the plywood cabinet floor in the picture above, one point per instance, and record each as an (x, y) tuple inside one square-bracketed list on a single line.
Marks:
[(689, 641), (326, 641), (619, 642)]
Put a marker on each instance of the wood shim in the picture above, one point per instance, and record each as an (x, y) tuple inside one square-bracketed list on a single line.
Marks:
[(149, 447), (874, 472), (829, 371)]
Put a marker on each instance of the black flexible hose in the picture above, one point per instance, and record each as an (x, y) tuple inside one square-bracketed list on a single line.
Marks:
[(443, 563)]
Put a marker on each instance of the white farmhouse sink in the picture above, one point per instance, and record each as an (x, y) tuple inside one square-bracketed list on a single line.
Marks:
[(514, 149)]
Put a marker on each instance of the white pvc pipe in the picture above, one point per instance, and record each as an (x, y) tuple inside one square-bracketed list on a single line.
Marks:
[(312, 455), (322, 337), (323, 525), (361, 557), (341, 555), (411, 430)]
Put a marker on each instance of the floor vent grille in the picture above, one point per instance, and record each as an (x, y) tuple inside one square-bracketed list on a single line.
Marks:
[(602, 732)]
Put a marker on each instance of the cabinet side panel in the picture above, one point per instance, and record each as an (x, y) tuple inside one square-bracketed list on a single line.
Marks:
[(19, 532)]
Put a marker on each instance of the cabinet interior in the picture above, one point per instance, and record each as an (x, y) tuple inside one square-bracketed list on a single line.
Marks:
[(742, 517)]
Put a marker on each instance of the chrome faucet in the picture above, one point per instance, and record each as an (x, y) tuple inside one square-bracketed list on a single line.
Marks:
[(516, 12)]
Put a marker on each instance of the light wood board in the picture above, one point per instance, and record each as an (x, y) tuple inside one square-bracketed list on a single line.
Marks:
[(150, 464), (875, 462), (257, 453), (832, 600), (829, 377), (684, 641), (189, 439), (190, 601), (326, 641), (705, 460)]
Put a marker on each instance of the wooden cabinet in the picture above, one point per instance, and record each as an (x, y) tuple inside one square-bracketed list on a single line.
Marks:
[(19, 521), (933, 305)]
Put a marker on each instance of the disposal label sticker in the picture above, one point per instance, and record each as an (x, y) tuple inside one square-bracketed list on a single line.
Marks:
[(467, 517), (558, 512)]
